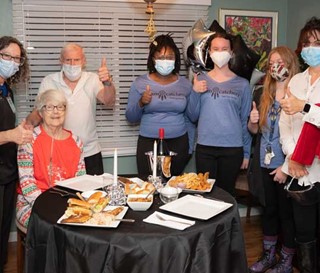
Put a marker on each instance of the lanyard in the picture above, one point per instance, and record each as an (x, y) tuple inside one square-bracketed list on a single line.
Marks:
[(274, 112)]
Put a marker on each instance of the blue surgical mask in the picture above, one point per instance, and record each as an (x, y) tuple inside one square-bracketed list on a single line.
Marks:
[(311, 55), (8, 68), (72, 72), (164, 67)]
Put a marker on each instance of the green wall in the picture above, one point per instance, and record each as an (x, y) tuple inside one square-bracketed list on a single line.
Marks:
[(292, 14), (6, 17)]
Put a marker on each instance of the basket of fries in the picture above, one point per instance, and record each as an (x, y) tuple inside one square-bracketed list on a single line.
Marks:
[(192, 182)]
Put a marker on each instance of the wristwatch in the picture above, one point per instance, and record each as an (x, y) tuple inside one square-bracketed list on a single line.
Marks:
[(306, 108), (109, 82)]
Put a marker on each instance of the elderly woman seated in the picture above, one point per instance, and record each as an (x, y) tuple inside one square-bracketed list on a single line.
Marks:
[(55, 154)]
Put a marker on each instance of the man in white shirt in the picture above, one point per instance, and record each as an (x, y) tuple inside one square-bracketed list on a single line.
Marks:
[(82, 89)]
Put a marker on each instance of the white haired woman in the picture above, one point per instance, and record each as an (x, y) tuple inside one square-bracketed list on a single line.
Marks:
[(55, 154)]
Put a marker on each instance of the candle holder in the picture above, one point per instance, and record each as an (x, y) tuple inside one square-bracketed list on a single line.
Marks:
[(116, 194), (163, 165)]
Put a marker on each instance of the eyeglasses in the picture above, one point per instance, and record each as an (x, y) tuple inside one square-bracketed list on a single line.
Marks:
[(7, 57), (50, 107), (314, 43)]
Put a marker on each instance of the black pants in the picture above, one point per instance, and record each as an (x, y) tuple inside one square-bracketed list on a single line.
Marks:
[(179, 145), (94, 164), (277, 217), (7, 203), (306, 218), (223, 164)]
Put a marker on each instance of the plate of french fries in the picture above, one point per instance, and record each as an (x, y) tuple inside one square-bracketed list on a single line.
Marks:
[(192, 182), (92, 211)]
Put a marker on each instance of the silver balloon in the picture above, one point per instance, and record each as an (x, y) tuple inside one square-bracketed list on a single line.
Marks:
[(256, 77), (200, 35)]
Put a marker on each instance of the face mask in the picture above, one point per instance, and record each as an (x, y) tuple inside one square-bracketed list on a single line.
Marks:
[(8, 68), (279, 72), (311, 55), (72, 72), (220, 58), (164, 67)]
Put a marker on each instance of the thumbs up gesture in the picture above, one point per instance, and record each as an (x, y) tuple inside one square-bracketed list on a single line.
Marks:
[(199, 86), (103, 71), (22, 134), (291, 104), (254, 114), (146, 97)]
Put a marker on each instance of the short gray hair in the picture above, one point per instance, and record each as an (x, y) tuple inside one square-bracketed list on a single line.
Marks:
[(73, 46), (50, 95)]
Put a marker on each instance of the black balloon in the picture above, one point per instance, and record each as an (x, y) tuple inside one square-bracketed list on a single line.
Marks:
[(242, 63)]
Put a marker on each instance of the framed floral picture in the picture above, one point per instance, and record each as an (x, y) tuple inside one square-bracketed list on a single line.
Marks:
[(257, 28)]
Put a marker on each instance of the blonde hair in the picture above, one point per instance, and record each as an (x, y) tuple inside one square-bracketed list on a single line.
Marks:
[(290, 61)]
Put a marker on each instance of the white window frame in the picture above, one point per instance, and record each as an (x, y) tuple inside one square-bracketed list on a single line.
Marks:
[(111, 29)]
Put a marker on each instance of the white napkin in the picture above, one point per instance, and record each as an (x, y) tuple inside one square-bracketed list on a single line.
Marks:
[(181, 224)]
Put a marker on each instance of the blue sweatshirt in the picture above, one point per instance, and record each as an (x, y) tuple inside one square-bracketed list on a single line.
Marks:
[(222, 113), (166, 109)]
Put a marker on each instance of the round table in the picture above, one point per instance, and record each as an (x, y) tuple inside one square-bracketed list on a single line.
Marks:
[(214, 245)]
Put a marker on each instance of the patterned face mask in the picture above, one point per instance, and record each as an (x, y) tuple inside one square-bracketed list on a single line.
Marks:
[(279, 72)]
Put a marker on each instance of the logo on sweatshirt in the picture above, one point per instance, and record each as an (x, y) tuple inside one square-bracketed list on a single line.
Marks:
[(216, 92)]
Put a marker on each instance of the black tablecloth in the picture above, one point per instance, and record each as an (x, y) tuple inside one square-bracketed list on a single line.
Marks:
[(212, 246)]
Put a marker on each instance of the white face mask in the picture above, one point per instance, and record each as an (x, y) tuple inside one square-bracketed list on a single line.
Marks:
[(164, 67), (220, 58), (8, 68), (72, 72)]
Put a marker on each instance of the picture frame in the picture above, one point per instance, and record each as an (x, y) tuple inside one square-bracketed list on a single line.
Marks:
[(257, 28)]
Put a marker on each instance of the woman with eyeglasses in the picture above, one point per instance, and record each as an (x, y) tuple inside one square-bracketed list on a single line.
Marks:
[(13, 69), (300, 108), (55, 154), (159, 99), (277, 218)]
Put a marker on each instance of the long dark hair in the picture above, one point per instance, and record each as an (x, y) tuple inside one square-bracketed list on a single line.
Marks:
[(160, 42), (23, 73)]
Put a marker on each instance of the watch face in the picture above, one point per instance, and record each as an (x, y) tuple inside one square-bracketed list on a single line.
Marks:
[(306, 108)]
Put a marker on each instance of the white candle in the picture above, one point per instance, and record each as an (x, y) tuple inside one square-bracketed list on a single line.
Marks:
[(115, 167), (154, 173)]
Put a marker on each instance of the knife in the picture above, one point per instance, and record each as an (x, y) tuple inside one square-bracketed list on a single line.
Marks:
[(63, 191)]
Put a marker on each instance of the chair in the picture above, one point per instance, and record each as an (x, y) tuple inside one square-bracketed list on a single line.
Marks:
[(243, 193), (21, 238)]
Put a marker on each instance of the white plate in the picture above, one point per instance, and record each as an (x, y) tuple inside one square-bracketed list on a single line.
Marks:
[(210, 181), (87, 194), (86, 182), (113, 224), (196, 207)]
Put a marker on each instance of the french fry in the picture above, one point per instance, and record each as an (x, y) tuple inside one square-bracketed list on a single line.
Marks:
[(192, 181)]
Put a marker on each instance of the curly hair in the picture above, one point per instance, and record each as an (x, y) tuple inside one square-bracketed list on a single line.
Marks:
[(160, 42), (309, 30), (23, 73)]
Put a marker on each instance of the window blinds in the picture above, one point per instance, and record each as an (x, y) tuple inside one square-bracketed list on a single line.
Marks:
[(111, 29)]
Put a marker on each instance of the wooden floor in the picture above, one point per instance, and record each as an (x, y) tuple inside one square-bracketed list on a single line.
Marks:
[(252, 234)]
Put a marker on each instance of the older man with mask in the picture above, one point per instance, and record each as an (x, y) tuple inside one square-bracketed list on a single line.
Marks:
[(81, 89)]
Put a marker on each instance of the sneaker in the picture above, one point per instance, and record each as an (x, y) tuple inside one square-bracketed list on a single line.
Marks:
[(264, 263), (281, 267)]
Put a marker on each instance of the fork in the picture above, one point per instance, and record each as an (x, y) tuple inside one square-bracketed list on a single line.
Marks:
[(171, 220)]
